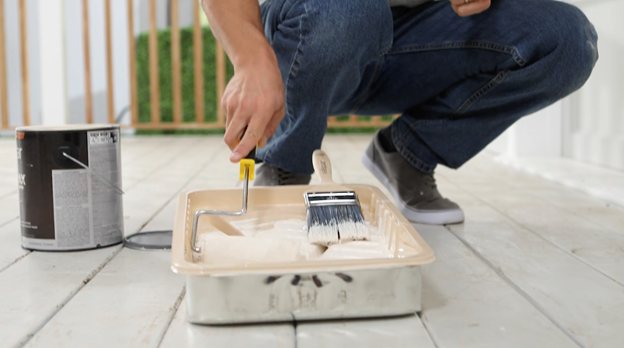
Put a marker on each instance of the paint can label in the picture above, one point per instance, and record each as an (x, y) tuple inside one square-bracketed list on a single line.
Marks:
[(71, 207)]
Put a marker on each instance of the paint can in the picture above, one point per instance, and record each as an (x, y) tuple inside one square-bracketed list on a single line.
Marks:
[(69, 186)]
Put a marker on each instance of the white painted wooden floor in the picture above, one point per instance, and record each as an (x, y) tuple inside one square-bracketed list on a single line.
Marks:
[(536, 264)]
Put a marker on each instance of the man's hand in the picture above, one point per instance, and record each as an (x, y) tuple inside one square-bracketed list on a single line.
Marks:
[(254, 98), (254, 103), (471, 7)]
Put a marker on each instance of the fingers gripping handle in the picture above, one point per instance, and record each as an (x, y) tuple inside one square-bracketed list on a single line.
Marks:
[(322, 166)]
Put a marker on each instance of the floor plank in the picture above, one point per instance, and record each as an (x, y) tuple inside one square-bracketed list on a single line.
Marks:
[(591, 208), (10, 244), (9, 208), (148, 199), (595, 238), (400, 332), (151, 291), (466, 304), (128, 304), (8, 169), (35, 288), (594, 180), (588, 305)]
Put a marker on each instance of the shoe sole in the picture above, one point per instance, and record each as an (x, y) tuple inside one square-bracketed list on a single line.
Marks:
[(442, 217)]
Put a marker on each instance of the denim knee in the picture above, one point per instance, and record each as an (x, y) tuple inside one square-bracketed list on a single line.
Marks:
[(341, 31), (573, 41)]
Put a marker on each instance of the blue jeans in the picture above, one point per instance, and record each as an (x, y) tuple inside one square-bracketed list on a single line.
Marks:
[(457, 82)]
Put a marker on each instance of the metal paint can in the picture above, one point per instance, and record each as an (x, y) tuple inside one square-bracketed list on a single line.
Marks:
[(69, 180)]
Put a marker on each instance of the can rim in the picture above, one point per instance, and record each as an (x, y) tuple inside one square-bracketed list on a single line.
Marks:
[(67, 127)]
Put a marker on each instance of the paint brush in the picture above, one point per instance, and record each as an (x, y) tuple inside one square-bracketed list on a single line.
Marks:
[(334, 214)]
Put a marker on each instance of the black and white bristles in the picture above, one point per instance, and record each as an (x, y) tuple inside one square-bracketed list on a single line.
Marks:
[(334, 217)]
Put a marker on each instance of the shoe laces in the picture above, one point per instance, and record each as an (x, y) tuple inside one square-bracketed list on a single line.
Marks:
[(430, 180), (284, 177)]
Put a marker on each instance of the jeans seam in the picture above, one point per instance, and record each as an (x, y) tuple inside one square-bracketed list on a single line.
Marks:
[(412, 127), (415, 161), (482, 91), (366, 92), (485, 45), (385, 50), (362, 99), (406, 153), (291, 74)]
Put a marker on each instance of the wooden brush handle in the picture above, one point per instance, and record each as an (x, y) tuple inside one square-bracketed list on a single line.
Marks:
[(322, 166)]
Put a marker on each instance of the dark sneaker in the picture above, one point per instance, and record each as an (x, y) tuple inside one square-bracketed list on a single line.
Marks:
[(270, 175), (415, 192)]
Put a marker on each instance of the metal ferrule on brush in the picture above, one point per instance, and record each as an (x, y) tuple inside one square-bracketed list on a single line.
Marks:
[(317, 199)]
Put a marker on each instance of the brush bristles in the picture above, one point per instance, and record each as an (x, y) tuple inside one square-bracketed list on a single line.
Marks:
[(331, 224)]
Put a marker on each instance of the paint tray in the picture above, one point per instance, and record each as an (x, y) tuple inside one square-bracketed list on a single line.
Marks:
[(301, 290)]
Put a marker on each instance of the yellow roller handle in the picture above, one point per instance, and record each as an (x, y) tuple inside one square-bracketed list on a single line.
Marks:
[(250, 162)]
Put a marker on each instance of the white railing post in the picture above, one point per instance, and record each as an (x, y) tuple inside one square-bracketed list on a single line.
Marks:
[(52, 62)]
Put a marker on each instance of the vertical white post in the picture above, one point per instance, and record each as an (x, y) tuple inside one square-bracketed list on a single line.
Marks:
[(52, 62), (537, 135)]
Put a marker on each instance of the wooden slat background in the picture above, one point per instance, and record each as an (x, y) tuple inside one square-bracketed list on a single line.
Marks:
[(155, 121), (87, 62), (175, 63), (109, 62), (24, 61), (134, 98), (4, 99), (198, 66), (153, 63)]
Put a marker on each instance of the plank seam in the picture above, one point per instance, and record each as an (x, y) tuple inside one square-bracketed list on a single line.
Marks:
[(165, 164), (172, 314), (69, 297), (15, 261), (519, 290), (561, 185), (428, 330), (534, 232), (8, 221), (566, 251), (157, 146), (188, 181), (93, 273)]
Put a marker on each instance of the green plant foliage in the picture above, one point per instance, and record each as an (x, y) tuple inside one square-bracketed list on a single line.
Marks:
[(188, 83), (187, 75)]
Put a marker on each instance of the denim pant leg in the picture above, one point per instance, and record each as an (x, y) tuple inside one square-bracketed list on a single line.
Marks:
[(328, 52), (460, 82)]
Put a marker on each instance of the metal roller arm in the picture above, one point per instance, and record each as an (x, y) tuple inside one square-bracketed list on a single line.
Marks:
[(217, 212)]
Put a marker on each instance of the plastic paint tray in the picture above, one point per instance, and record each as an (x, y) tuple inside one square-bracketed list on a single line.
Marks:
[(305, 290)]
